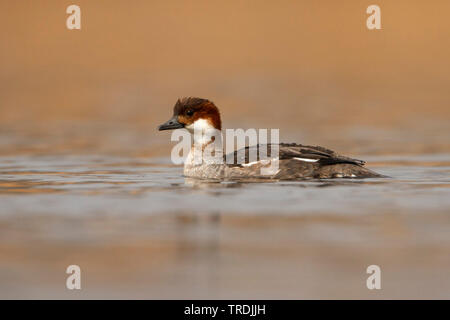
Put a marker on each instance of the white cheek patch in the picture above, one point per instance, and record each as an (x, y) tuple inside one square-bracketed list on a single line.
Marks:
[(200, 124), (202, 131), (306, 159)]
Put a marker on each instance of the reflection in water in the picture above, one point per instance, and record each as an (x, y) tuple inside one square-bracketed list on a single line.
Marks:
[(140, 229)]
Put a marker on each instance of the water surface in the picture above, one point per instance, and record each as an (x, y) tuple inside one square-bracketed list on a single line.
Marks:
[(139, 229)]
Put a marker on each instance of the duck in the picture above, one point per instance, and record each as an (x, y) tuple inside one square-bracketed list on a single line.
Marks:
[(283, 161)]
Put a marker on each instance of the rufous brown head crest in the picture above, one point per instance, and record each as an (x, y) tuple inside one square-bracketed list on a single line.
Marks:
[(188, 110)]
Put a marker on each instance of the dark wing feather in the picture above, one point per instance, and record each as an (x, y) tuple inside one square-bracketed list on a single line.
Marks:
[(325, 156), (292, 150), (242, 155)]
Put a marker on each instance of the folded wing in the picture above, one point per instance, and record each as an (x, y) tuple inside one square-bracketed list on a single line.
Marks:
[(290, 151)]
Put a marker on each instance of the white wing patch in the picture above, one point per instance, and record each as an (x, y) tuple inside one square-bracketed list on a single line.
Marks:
[(249, 164), (306, 159), (263, 162)]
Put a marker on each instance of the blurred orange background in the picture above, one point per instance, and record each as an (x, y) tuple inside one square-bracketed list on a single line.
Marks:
[(310, 68), (72, 100)]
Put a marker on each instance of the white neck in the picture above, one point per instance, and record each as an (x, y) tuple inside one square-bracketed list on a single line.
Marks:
[(205, 135)]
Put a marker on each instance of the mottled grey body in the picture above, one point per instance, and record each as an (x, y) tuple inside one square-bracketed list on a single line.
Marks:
[(284, 161), (294, 162)]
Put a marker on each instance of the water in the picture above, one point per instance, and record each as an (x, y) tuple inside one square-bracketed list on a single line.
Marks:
[(82, 180), (139, 186), (138, 229)]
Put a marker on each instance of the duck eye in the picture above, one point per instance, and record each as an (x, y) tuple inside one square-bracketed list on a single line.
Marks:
[(189, 113)]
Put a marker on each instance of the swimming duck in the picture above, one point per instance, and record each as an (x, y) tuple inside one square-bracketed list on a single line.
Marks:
[(290, 161)]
